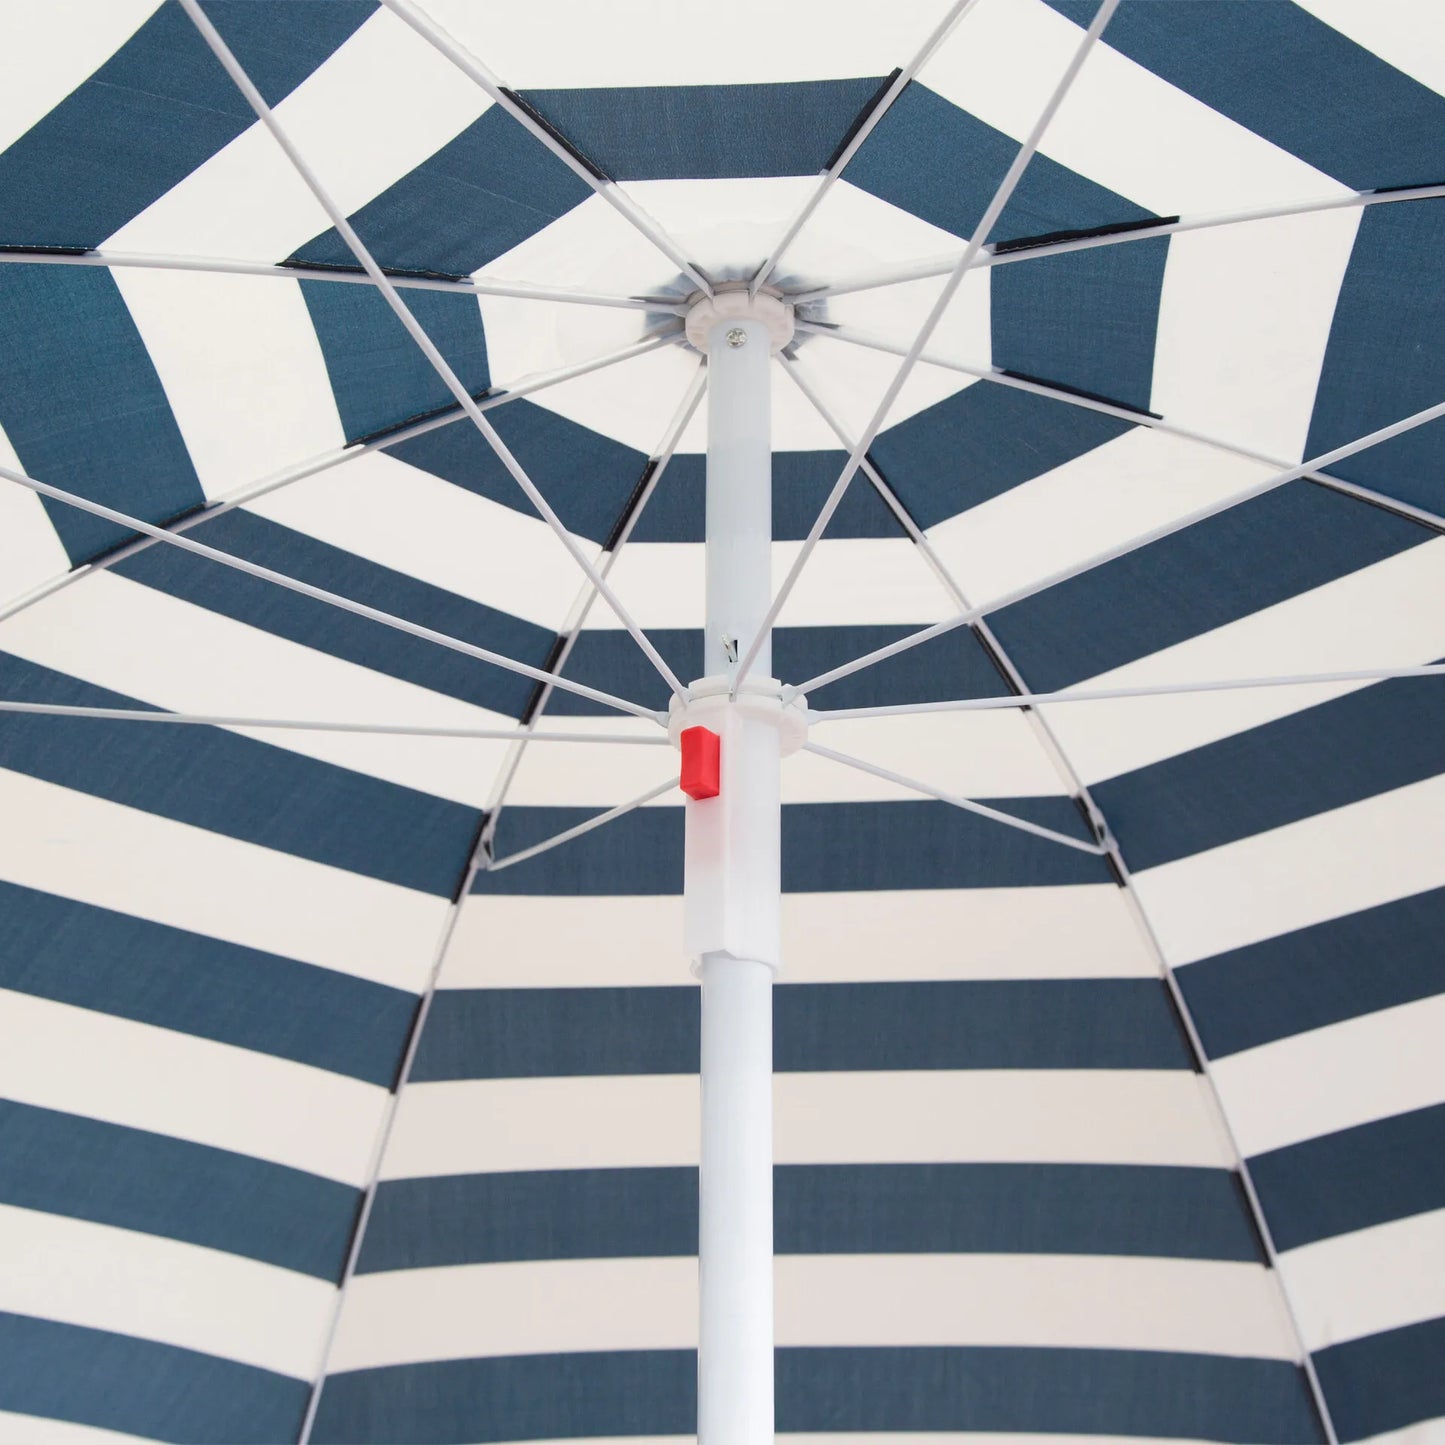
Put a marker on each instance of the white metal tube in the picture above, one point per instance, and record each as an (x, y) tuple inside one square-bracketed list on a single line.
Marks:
[(734, 886)]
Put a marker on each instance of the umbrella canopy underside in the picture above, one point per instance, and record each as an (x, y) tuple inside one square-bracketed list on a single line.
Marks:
[(315, 1123)]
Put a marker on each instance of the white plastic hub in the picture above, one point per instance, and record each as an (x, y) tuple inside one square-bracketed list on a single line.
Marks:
[(732, 303), (758, 700)]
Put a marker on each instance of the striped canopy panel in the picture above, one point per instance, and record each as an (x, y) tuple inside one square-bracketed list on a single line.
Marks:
[(317, 1126)]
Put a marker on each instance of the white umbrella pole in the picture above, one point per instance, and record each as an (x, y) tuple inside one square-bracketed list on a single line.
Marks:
[(733, 889)]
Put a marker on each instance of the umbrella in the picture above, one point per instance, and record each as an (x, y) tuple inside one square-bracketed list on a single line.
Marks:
[(929, 513)]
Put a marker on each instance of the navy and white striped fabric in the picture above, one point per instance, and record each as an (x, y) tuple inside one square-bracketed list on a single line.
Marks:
[(1066, 1150)]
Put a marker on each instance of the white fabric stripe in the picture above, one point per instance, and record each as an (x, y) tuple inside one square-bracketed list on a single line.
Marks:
[(47, 50), (848, 581), (140, 642), (1244, 319), (1003, 1116), (241, 367), (1126, 487), (538, 1307), (1369, 1281), (16, 1429), (971, 933), (1374, 851), (632, 401), (521, 44), (1389, 614), (855, 231), (106, 1278), (1426, 1432), (401, 517), (121, 858), (74, 1060), (30, 549), (1398, 31), (1333, 1078), (372, 112), (1120, 125)]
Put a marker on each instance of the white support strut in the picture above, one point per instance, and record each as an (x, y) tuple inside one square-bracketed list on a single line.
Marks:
[(733, 877)]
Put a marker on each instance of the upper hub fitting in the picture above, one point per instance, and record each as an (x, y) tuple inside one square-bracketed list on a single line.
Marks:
[(731, 302)]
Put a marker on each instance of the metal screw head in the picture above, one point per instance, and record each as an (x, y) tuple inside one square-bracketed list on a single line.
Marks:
[(737, 337)]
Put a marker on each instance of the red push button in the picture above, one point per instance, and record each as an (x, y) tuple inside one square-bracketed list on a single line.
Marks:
[(701, 763)]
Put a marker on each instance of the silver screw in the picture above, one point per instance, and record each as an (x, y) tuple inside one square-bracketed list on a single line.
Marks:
[(737, 337)]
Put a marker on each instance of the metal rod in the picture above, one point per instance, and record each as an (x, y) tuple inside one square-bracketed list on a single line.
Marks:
[(901, 82), (320, 594), (929, 266), (227, 266), (1110, 554), (556, 841), (967, 804), (1101, 694), (418, 333), (1407, 510), (732, 905), (609, 190), (980, 234), (417, 730)]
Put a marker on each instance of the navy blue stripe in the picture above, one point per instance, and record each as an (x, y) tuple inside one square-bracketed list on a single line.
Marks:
[(83, 406), (1373, 1173), (707, 132), (327, 629), (1313, 976), (586, 477), (818, 1209), (827, 848), (1385, 358), (953, 665), (938, 162), (1106, 1392), (1286, 542), (132, 1179), (1344, 110), (378, 374), (801, 483), (984, 441), (1087, 319), (476, 198), (1385, 1381), (1014, 1024), (163, 1392), (214, 779), (1381, 737), (154, 112), (92, 958)]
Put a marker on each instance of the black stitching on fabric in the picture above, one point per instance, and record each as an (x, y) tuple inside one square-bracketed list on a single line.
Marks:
[(1381, 504), (44, 250), (582, 159), (859, 120), (549, 664), (1412, 186), (405, 273), (396, 426), (131, 537), (629, 507), (1079, 391), (460, 885), (1049, 238)]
